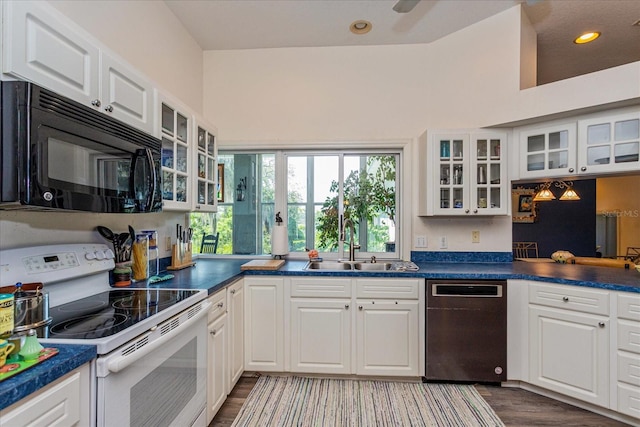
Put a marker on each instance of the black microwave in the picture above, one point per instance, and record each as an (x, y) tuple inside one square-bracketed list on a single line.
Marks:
[(59, 154)]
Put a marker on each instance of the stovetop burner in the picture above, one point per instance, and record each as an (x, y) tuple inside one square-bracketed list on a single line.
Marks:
[(110, 312)]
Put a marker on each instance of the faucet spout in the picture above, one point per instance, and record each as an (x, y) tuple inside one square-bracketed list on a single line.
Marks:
[(352, 246)]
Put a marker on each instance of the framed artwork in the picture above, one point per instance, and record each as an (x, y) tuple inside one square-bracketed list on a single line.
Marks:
[(220, 191), (523, 208)]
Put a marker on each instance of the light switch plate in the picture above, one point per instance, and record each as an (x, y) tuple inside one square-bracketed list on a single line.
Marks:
[(443, 242), (421, 241), (475, 236)]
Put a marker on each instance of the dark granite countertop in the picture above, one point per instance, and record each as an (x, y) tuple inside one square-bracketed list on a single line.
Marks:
[(214, 274), (69, 357)]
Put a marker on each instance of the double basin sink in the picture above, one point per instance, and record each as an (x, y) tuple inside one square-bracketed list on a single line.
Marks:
[(347, 266)]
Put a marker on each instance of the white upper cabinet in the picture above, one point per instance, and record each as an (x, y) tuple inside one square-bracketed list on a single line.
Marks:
[(42, 46), (599, 143), (548, 150), (467, 174), (610, 143), (205, 166)]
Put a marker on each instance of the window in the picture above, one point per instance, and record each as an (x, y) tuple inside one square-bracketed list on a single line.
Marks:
[(315, 193)]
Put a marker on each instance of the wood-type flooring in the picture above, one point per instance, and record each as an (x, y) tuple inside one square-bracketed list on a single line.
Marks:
[(514, 406)]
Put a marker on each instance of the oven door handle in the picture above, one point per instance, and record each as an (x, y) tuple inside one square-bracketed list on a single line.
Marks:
[(120, 363)]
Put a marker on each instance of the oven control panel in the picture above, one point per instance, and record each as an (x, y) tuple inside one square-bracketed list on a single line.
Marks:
[(53, 263)]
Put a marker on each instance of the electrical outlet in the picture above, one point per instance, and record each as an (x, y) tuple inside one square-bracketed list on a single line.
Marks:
[(167, 243), (421, 241), (443, 242), (475, 236)]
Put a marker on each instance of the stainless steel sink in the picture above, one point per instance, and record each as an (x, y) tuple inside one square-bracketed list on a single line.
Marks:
[(328, 265), (376, 266), (348, 266)]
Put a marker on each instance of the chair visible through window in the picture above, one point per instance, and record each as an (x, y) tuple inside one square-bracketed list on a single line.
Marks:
[(209, 244), (633, 254), (525, 249)]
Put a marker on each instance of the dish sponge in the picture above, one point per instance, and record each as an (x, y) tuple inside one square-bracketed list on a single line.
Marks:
[(156, 279)]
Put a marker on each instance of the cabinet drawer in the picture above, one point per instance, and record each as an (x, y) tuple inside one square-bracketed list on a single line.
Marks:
[(388, 288), (321, 287), (570, 297), (629, 307), (629, 368), (629, 400), (629, 336), (219, 305)]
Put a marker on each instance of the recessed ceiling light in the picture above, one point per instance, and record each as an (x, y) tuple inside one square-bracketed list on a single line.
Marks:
[(360, 27), (587, 37)]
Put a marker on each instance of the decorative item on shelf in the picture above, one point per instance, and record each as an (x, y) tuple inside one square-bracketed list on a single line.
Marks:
[(241, 189), (523, 207), (544, 193), (181, 251), (279, 239)]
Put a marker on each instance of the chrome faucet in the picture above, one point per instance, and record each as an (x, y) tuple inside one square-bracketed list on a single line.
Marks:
[(352, 247)]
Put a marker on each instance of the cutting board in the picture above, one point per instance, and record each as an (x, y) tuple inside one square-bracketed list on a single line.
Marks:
[(263, 264)]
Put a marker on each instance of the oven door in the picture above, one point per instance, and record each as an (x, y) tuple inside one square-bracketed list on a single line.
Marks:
[(161, 383)]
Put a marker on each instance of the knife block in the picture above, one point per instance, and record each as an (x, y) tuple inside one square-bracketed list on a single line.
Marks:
[(181, 258)]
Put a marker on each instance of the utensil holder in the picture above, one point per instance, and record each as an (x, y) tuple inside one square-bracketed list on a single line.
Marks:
[(181, 256)]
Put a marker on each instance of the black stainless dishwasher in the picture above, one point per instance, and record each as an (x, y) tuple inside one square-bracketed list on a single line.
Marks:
[(466, 326)]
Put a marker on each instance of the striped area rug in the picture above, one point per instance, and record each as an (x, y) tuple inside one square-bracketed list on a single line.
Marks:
[(296, 401)]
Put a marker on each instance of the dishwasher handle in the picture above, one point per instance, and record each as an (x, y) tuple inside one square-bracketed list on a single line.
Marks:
[(467, 290)]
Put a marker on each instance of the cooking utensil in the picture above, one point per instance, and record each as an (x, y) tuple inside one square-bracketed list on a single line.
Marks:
[(31, 311)]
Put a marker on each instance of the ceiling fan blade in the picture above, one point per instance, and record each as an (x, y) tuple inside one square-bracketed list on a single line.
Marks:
[(404, 6)]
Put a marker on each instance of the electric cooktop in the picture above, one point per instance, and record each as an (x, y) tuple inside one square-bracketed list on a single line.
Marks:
[(110, 312)]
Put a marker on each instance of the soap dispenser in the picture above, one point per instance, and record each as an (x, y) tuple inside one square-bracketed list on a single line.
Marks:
[(31, 348)]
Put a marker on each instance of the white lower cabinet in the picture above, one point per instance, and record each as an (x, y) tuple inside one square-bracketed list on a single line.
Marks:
[(569, 347), (217, 369), (628, 355), (235, 308), (380, 337), (387, 338), (264, 324), (65, 402)]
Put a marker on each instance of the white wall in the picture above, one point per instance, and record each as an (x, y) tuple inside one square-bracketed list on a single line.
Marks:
[(148, 36)]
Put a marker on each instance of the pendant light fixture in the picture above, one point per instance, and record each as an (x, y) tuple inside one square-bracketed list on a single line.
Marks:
[(544, 193)]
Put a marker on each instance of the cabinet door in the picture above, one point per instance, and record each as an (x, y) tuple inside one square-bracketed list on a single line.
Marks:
[(450, 153), (174, 127), (488, 174), (609, 144), (387, 338), (217, 366), (548, 151), (264, 327), (125, 94), (236, 333), (569, 353), (207, 191), (321, 336), (41, 46)]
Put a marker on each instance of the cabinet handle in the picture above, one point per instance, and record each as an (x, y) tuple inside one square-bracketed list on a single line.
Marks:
[(475, 211), (109, 108), (466, 211), (359, 307), (601, 324), (346, 306), (96, 103), (571, 170), (233, 291), (220, 304), (212, 332), (583, 169), (565, 299)]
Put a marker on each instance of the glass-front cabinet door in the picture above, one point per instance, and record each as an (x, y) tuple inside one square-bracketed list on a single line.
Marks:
[(548, 151), (451, 153), (488, 174), (175, 132), (609, 144), (206, 176)]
